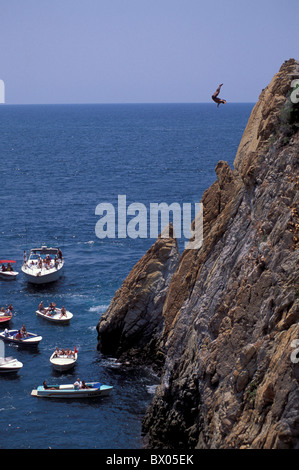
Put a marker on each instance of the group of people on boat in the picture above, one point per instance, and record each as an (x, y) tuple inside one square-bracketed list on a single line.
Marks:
[(51, 310), (6, 311), (20, 334), (48, 262), (78, 385), (7, 268), (65, 352)]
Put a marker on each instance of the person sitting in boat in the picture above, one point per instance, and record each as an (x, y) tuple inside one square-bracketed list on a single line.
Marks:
[(48, 388), (8, 312), (78, 384), (57, 352), (84, 385), (2, 310), (10, 308), (63, 312), (9, 268), (24, 331), (48, 260), (4, 268), (19, 335), (69, 353), (51, 309)]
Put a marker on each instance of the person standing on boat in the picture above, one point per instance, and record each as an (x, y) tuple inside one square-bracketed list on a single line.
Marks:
[(59, 254), (25, 257)]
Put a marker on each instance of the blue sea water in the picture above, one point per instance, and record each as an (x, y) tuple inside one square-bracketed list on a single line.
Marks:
[(58, 162)]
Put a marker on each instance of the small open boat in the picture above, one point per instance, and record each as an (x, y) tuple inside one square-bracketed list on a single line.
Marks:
[(55, 315), (9, 365), (12, 336), (95, 389), (5, 317), (63, 362), (6, 272)]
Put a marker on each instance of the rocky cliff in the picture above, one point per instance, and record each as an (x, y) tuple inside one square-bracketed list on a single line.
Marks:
[(131, 327), (226, 316)]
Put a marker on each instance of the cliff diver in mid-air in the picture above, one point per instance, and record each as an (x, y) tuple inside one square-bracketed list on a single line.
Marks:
[(215, 96)]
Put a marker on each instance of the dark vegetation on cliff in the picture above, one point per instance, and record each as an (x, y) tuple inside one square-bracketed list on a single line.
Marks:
[(221, 322)]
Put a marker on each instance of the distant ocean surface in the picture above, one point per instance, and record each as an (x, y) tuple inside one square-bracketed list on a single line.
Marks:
[(58, 162)]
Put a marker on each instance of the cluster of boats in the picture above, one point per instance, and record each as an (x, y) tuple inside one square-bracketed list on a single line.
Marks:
[(44, 265)]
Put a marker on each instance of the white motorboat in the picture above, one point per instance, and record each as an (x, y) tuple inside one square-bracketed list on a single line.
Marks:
[(14, 337), (9, 365), (62, 362), (6, 272), (44, 265), (55, 315), (94, 389)]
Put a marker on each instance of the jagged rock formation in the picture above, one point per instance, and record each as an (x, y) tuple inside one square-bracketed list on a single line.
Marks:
[(230, 316), (132, 325)]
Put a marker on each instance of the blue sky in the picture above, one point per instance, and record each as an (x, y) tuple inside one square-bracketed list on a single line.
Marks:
[(143, 51)]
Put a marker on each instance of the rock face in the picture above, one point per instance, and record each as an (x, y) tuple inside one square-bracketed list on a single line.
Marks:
[(230, 314), (133, 322)]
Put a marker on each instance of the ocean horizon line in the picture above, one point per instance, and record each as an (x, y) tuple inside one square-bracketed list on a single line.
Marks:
[(123, 103)]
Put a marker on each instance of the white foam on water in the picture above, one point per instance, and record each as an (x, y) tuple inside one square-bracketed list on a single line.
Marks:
[(98, 308), (151, 389)]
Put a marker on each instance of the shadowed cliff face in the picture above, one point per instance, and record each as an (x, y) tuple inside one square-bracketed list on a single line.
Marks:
[(132, 325), (229, 315)]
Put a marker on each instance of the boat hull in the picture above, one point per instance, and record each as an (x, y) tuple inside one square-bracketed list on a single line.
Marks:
[(56, 317), (4, 319), (44, 276), (8, 365), (8, 275), (69, 392)]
